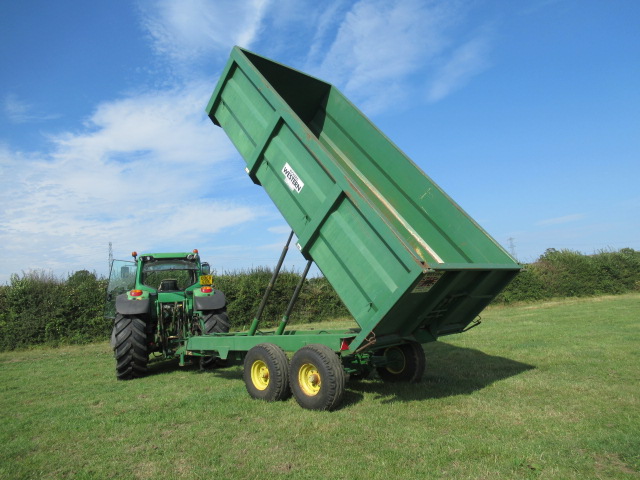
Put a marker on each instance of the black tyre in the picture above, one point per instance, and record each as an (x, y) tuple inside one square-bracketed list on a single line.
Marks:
[(406, 363), (317, 378), (215, 321), (266, 373), (129, 341)]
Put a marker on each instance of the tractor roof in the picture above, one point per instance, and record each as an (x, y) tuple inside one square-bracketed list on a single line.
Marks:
[(182, 255)]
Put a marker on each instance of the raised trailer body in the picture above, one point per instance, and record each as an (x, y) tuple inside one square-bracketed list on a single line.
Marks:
[(406, 260)]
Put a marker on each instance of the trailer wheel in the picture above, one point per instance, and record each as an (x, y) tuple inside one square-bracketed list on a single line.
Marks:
[(318, 379), (266, 373), (129, 341), (215, 321), (406, 363)]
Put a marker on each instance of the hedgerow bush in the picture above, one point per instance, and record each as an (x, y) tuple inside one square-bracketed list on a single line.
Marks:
[(38, 308), (566, 273), (245, 289)]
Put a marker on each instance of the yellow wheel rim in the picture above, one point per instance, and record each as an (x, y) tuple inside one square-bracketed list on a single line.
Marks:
[(397, 361), (260, 375), (309, 379)]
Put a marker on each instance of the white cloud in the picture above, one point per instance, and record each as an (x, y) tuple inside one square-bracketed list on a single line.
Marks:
[(378, 44), (383, 49), (323, 26), (19, 111), (186, 30), (464, 62), (381, 53), (168, 126), (280, 229), (149, 170), (16, 110), (146, 172), (561, 220)]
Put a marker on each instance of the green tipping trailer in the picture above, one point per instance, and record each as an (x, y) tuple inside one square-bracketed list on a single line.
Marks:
[(406, 260)]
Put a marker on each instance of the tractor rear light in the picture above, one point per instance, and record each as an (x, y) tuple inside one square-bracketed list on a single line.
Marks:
[(345, 344), (206, 289), (135, 293)]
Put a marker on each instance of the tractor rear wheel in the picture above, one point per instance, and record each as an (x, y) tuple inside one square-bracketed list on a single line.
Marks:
[(215, 321), (406, 363), (266, 373), (318, 379), (130, 347)]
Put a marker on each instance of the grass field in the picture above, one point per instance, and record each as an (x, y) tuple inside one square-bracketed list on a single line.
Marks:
[(549, 390)]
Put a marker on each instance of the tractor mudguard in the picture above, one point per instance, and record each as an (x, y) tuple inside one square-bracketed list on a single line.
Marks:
[(131, 307), (213, 302)]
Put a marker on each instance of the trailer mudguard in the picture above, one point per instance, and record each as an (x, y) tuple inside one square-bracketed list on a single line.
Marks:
[(131, 307), (211, 302)]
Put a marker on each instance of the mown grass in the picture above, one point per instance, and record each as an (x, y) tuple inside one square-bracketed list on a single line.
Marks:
[(548, 390)]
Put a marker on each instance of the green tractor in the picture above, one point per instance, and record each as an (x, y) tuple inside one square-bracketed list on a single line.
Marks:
[(157, 302)]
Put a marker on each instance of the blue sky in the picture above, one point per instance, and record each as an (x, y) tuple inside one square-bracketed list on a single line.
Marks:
[(525, 113)]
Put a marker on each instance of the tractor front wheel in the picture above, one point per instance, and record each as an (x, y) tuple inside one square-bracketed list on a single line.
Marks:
[(129, 341), (405, 363), (266, 373), (318, 379)]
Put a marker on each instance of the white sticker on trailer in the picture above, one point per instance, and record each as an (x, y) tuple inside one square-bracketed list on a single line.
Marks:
[(292, 179)]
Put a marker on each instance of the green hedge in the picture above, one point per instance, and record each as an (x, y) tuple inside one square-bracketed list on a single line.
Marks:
[(244, 291), (566, 273), (37, 308)]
